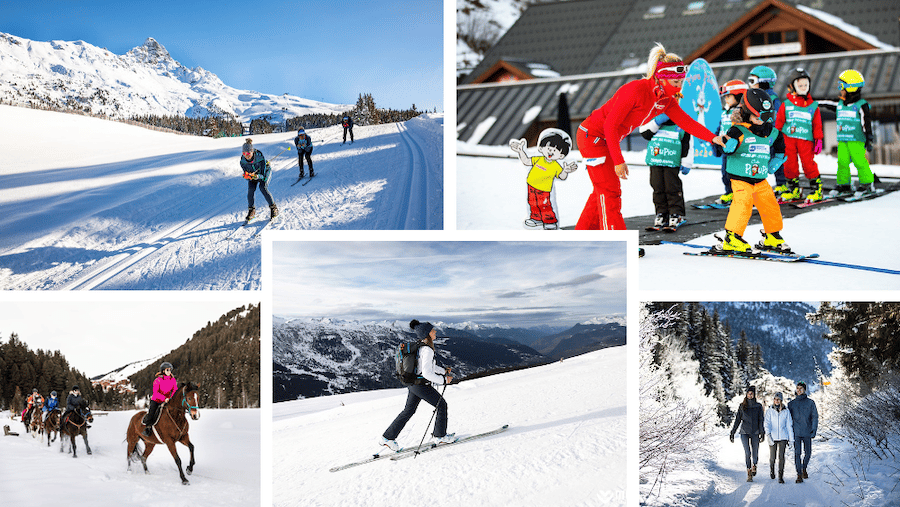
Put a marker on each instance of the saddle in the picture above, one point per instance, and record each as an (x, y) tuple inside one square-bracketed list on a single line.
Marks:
[(147, 422)]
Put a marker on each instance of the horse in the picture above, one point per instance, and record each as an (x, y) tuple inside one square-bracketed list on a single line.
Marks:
[(51, 425), (172, 427), (71, 427), (36, 424)]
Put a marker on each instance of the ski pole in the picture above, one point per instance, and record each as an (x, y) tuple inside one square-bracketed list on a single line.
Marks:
[(282, 151), (429, 421)]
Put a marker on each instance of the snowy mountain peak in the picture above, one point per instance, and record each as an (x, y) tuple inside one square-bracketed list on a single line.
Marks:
[(151, 52)]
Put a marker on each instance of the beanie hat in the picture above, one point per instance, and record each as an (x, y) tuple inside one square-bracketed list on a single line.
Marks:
[(802, 384), (751, 389), (248, 146), (779, 396), (422, 329)]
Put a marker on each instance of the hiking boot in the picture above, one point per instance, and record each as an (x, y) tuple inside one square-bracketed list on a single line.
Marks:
[(449, 438), (533, 224), (273, 211), (251, 213), (805, 475), (735, 243), (390, 444), (725, 199), (799, 478), (781, 478), (773, 241), (772, 470), (753, 469), (749, 475)]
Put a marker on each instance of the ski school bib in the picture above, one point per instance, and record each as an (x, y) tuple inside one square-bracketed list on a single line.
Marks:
[(849, 122), (798, 120), (726, 121), (665, 147), (751, 158)]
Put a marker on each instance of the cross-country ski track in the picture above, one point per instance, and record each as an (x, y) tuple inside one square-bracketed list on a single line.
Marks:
[(97, 204)]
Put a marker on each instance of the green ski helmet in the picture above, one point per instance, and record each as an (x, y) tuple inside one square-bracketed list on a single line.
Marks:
[(763, 75)]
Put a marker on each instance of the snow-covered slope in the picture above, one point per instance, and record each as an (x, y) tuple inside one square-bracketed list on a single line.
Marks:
[(90, 203), (126, 371), (565, 446), (227, 472), (145, 80)]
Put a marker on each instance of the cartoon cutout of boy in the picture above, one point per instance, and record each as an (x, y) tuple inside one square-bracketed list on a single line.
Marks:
[(553, 145)]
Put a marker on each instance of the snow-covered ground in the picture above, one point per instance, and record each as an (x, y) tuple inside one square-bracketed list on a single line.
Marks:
[(227, 472), (850, 233), (87, 203), (834, 480), (566, 444)]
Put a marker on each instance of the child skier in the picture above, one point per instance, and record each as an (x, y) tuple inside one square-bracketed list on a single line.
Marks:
[(732, 94), (800, 121), (554, 145), (304, 148), (764, 78), (854, 134), (256, 172), (755, 149), (668, 145)]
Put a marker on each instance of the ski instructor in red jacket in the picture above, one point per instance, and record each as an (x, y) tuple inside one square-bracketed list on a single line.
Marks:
[(633, 105)]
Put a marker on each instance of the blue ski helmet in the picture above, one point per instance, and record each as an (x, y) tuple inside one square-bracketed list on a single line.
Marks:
[(764, 74), (301, 132)]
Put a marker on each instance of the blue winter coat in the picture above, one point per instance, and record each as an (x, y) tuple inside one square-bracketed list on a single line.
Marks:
[(50, 403), (805, 416), (256, 166), (303, 144)]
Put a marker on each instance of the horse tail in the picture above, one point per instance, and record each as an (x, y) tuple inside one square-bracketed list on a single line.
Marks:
[(135, 456)]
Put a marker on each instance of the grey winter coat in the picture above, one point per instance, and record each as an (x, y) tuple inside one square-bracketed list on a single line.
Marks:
[(805, 416), (750, 419)]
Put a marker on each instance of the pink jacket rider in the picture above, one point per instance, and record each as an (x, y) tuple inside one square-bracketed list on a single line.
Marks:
[(164, 387)]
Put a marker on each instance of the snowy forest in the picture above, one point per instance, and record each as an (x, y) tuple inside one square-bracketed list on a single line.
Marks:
[(693, 375)]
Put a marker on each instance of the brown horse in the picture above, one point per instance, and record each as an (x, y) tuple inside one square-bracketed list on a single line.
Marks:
[(172, 427), (51, 425), (73, 425), (36, 424)]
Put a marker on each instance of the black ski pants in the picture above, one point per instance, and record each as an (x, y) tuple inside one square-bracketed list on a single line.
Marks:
[(668, 197), (416, 394), (308, 155), (345, 134)]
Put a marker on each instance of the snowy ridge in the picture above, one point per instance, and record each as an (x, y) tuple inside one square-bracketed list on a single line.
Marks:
[(145, 80), (127, 371)]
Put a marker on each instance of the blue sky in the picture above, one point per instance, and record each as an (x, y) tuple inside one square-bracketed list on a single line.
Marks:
[(326, 51), (521, 284)]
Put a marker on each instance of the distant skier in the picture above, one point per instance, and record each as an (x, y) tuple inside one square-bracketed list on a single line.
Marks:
[(347, 123), (256, 172), (805, 418), (304, 148), (426, 376), (750, 419)]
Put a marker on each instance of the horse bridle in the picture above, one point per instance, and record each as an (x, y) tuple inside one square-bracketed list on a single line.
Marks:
[(187, 406)]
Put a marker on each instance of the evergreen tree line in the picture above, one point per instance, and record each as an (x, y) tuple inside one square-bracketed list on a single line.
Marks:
[(222, 358), (364, 113), (224, 125), (726, 367), (22, 370)]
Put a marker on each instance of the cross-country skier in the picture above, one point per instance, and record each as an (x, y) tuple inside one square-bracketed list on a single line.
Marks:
[(427, 376), (634, 104), (304, 148), (347, 123), (256, 172)]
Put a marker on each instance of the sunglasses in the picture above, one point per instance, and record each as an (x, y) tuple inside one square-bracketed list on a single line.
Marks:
[(248, 153)]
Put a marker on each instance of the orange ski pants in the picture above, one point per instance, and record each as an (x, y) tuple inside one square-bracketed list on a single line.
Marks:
[(746, 196)]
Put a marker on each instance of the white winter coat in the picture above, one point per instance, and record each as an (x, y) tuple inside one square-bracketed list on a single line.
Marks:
[(427, 368), (779, 425)]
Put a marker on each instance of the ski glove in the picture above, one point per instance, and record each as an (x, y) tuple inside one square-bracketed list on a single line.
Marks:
[(776, 161), (818, 147), (731, 437), (731, 145), (685, 169)]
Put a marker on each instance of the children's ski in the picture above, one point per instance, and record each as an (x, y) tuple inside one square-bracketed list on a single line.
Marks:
[(807, 204), (750, 256), (432, 447), (375, 457), (673, 228), (864, 197), (713, 205), (653, 228)]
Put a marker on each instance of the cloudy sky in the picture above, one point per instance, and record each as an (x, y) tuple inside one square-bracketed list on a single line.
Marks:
[(516, 283), (97, 336)]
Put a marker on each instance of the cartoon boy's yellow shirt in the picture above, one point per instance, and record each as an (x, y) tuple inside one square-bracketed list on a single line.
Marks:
[(543, 172)]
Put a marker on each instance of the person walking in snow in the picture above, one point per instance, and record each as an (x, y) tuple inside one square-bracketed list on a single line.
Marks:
[(304, 148), (749, 418), (427, 375), (164, 387), (780, 429), (805, 418), (632, 105), (256, 172), (347, 123)]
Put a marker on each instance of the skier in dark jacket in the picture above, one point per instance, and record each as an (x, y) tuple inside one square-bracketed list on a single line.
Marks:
[(304, 148), (427, 375), (805, 418), (347, 123), (750, 418), (256, 172)]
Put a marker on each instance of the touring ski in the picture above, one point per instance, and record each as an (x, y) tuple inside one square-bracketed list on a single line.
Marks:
[(307, 181), (240, 227), (270, 222), (375, 457), (432, 447)]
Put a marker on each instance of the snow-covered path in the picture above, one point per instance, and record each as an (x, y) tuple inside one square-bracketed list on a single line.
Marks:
[(227, 472), (87, 203), (565, 446), (834, 480)]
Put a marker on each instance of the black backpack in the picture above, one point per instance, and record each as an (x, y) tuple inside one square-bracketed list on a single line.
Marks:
[(406, 359)]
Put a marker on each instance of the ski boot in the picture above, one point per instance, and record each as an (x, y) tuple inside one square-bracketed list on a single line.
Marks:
[(390, 444), (312, 174), (251, 213), (816, 195), (273, 211), (449, 438), (661, 221), (725, 199), (675, 220), (302, 174), (840, 191), (780, 189), (793, 192), (863, 190), (773, 241), (734, 243)]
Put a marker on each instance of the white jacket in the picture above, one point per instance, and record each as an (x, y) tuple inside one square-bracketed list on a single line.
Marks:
[(778, 425), (427, 368)]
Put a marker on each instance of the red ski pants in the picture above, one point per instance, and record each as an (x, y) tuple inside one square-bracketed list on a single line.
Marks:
[(541, 207), (603, 210), (794, 148)]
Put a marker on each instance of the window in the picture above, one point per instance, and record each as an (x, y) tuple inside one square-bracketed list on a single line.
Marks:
[(655, 11)]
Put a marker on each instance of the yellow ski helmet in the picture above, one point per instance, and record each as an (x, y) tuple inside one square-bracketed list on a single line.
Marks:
[(851, 80)]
